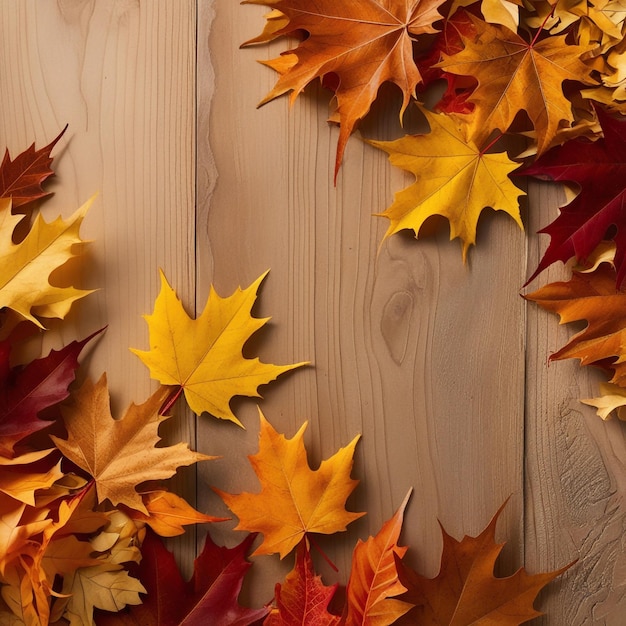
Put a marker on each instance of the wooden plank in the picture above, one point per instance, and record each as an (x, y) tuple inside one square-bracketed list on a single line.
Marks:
[(122, 75), (422, 356), (574, 464)]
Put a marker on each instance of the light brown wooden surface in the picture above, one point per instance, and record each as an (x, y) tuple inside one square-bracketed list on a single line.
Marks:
[(441, 367)]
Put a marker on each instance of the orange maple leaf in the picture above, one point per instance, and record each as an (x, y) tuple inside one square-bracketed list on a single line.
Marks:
[(374, 577), (514, 75), (592, 297), (294, 499), (120, 454), (364, 44), (466, 591)]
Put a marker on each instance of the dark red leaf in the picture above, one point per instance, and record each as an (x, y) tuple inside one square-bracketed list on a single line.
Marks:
[(27, 390), (599, 210), (22, 178)]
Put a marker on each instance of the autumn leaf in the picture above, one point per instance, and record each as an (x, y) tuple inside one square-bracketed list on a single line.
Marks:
[(25, 268), (26, 391), (203, 356), (168, 513), (597, 212), (514, 75), (294, 499), (374, 580), (453, 178), (210, 597), (302, 598), (594, 298), (120, 454), (21, 179), (466, 592), (364, 44), (20, 476)]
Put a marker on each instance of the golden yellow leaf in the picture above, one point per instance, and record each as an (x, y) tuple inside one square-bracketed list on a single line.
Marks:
[(515, 75), (106, 586), (120, 454), (25, 268), (294, 499), (203, 356), (453, 178), (612, 398)]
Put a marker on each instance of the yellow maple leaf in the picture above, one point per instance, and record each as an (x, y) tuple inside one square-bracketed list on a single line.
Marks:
[(515, 75), (612, 398), (25, 268), (453, 178), (120, 454), (294, 499), (203, 356)]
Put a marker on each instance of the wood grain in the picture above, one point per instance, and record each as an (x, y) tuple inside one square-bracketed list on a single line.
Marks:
[(440, 366)]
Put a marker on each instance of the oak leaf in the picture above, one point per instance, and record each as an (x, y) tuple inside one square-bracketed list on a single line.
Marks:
[(364, 44), (21, 178), (466, 592), (119, 454), (453, 178), (594, 298), (203, 356), (302, 598), (26, 391), (374, 580), (515, 75), (597, 212), (168, 513), (26, 267), (294, 499)]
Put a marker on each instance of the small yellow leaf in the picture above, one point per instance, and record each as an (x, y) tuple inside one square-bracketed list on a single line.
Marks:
[(25, 268), (612, 398), (203, 356), (453, 178)]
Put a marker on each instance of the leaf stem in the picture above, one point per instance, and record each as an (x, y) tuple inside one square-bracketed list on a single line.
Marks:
[(321, 552), (491, 143), (171, 400), (551, 14)]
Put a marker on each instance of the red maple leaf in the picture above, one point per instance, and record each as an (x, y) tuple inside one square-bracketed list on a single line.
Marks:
[(21, 179), (302, 598), (27, 390), (210, 597), (598, 212)]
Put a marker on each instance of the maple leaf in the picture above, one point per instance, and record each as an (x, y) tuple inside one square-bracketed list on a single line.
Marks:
[(210, 597), (374, 577), (21, 179), (119, 454), (453, 178), (25, 391), (302, 598), (169, 513), (203, 356), (594, 298), (514, 75), (466, 592), (597, 212), (364, 44), (25, 268), (294, 499)]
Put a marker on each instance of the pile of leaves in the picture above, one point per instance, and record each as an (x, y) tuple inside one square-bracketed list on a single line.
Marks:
[(520, 88), (84, 505)]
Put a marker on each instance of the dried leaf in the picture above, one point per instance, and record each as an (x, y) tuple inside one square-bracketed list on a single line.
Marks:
[(294, 499)]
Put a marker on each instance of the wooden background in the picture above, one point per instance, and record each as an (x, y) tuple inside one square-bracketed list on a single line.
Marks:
[(442, 367)]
